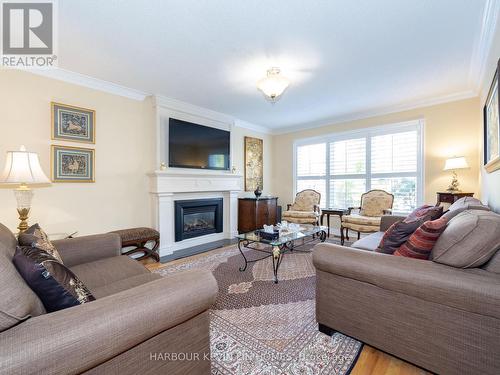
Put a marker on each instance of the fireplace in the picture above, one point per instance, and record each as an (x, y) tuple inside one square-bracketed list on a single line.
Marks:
[(197, 217)]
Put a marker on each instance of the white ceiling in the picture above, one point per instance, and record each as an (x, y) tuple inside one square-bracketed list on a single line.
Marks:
[(342, 56)]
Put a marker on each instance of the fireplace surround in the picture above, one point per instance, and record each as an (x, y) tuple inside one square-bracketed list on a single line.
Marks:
[(170, 186), (198, 217)]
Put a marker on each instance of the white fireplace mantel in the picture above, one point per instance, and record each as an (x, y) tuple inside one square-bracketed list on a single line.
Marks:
[(170, 185)]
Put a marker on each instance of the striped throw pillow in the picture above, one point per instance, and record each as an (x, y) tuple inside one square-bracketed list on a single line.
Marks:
[(421, 242)]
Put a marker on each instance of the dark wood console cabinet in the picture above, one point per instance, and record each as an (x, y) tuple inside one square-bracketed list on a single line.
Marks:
[(253, 213)]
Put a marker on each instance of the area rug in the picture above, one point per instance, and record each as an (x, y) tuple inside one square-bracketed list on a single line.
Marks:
[(259, 327)]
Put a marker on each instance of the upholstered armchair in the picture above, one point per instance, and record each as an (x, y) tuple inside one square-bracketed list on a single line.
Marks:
[(367, 217), (305, 209)]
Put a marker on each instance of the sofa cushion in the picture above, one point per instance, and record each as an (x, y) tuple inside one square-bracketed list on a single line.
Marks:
[(118, 286), (466, 203), (494, 264), (469, 240), (421, 242), (17, 301), (57, 287), (107, 271), (396, 235), (462, 204), (369, 242), (34, 236)]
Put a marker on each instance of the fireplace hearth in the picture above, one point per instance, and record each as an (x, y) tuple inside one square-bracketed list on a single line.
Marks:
[(197, 217)]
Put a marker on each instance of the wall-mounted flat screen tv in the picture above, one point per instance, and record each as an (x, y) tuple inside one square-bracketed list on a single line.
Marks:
[(196, 146)]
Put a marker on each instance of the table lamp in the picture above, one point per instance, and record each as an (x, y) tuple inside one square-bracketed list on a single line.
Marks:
[(453, 164), (23, 168)]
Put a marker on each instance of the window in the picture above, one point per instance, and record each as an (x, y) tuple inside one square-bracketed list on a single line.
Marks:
[(344, 166)]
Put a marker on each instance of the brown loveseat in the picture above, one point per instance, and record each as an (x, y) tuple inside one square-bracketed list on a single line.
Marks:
[(137, 320), (440, 317)]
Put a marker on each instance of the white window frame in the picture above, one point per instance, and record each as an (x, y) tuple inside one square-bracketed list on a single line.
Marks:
[(368, 133)]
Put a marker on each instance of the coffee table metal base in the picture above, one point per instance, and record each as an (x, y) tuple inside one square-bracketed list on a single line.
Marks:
[(276, 252)]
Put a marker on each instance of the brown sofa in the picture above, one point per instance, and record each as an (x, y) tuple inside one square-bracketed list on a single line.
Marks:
[(443, 318), (136, 321)]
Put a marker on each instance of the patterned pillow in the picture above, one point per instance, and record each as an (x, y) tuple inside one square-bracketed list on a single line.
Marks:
[(425, 212), (55, 284), (420, 243), (397, 234), (34, 236)]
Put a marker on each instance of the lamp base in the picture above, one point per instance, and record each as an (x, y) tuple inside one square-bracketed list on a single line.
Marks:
[(24, 195), (23, 216), (453, 188)]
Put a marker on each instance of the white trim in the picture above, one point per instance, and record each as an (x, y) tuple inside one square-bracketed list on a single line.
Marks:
[(249, 126), (367, 133), (362, 132), (190, 109), (483, 44), (90, 82), (378, 112)]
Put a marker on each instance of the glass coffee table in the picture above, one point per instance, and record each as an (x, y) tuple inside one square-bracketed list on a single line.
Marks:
[(279, 246)]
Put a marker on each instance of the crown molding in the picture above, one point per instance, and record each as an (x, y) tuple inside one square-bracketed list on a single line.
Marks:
[(483, 44), (248, 125), (163, 102), (378, 112), (191, 109), (90, 82)]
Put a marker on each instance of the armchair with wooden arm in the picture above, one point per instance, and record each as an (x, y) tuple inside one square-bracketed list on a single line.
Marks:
[(305, 209), (366, 218)]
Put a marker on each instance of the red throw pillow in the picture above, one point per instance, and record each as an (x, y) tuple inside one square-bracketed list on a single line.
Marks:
[(421, 242)]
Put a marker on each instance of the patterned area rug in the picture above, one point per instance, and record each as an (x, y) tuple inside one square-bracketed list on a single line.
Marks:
[(258, 327)]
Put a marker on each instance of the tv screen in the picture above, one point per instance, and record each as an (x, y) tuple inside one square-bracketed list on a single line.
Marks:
[(197, 146)]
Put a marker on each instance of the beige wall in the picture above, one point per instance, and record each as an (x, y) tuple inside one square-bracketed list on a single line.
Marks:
[(125, 141), (124, 150), (450, 129), (490, 181)]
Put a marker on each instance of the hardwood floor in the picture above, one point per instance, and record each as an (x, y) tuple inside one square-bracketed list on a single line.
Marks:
[(374, 362)]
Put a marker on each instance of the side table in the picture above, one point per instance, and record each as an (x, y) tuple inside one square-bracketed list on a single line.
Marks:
[(138, 238), (332, 211), (451, 198)]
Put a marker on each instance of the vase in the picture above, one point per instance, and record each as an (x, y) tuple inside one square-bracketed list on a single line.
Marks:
[(258, 192)]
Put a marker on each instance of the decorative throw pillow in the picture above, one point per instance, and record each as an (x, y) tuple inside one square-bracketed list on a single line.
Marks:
[(34, 236), (421, 242), (425, 212), (55, 284), (396, 235)]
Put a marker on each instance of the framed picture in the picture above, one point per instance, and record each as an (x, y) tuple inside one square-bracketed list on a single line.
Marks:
[(72, 123), (254, 164), (492, 127), (72, 164)]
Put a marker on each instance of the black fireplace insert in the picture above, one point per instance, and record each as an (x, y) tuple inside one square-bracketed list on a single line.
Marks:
[(197, 217)]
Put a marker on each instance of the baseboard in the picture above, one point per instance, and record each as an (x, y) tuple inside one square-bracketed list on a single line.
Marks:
[(183, 253)]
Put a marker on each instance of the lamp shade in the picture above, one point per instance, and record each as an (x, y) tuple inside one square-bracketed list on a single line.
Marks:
[(455, 163), (23, 167)]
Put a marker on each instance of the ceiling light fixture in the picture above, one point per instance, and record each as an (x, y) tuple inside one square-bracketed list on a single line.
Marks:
[(274, 85)]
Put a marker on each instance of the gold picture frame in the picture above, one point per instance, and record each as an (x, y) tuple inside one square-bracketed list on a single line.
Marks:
[(254, 163), (72, 124), (491, 115), (66, 164)]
